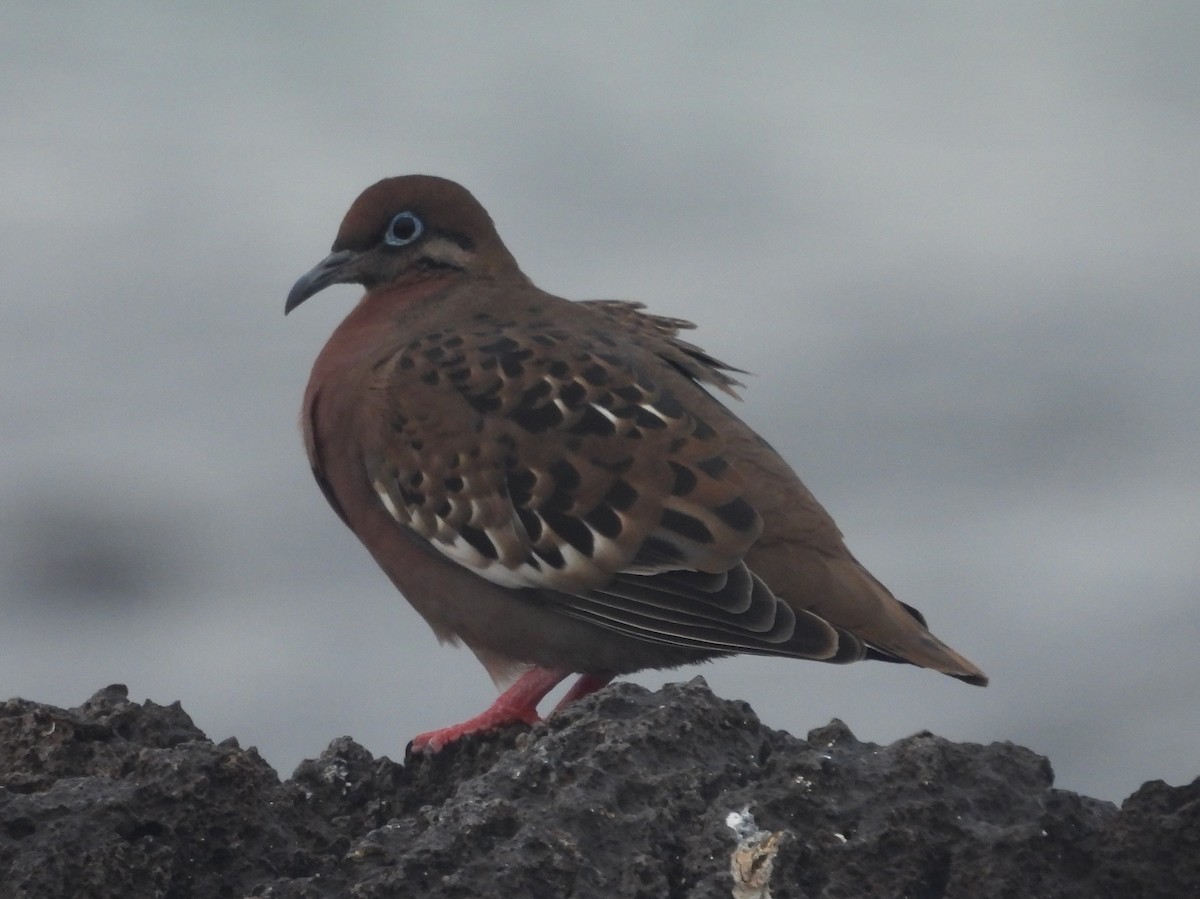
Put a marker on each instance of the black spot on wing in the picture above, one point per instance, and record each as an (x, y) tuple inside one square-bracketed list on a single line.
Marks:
[(595, 375), (539, 418), (686, 526), (534, 395), (532, 523), (551, 556), (573, 394), (592, 421), (737, 514), (647, 419), (483, 404), (606, 522), (571, 529), (685, 480), (669, 406), (520, 487), (499, 346), (621, 496), (565, 475), (479, 540)]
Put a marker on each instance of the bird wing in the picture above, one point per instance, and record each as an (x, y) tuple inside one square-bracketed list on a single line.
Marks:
[(568, 460)]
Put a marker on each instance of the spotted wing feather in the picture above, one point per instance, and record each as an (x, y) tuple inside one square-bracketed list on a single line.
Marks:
[(553, 459)]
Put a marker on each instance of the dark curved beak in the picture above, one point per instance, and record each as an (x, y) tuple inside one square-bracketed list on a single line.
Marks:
[(333, 269)]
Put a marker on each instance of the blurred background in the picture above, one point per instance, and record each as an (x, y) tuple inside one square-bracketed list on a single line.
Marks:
[(957, 244)]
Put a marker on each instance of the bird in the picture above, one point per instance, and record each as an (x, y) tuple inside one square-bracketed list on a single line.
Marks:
[(555, 483)]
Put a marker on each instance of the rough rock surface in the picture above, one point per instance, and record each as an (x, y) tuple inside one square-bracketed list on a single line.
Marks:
[(626, 794)]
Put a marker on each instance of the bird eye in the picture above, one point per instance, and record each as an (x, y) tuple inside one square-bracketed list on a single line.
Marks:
[(403, 229)]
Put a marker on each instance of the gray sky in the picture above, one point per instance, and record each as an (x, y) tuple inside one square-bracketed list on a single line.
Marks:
[(957, 244)]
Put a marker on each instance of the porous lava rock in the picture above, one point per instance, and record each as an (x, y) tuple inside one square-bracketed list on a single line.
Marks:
[(627, 793)]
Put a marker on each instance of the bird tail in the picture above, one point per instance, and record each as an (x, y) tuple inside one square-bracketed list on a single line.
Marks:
[(897, 632)]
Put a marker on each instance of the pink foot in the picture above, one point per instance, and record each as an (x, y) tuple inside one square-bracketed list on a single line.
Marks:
[(518, 703)]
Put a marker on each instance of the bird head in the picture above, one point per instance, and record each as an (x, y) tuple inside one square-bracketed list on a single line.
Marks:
[(407, 229)]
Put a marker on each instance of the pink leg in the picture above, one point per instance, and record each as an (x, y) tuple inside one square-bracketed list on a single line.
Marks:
[(517, 703), (587, 683)]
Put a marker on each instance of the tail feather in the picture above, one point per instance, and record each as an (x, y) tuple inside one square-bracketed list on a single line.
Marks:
[(897, 632)]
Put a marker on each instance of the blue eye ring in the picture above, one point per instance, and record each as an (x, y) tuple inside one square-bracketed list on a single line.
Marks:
[(403, 229)]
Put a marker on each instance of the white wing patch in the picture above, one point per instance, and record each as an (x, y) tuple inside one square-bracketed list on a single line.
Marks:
[(517, 562)]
